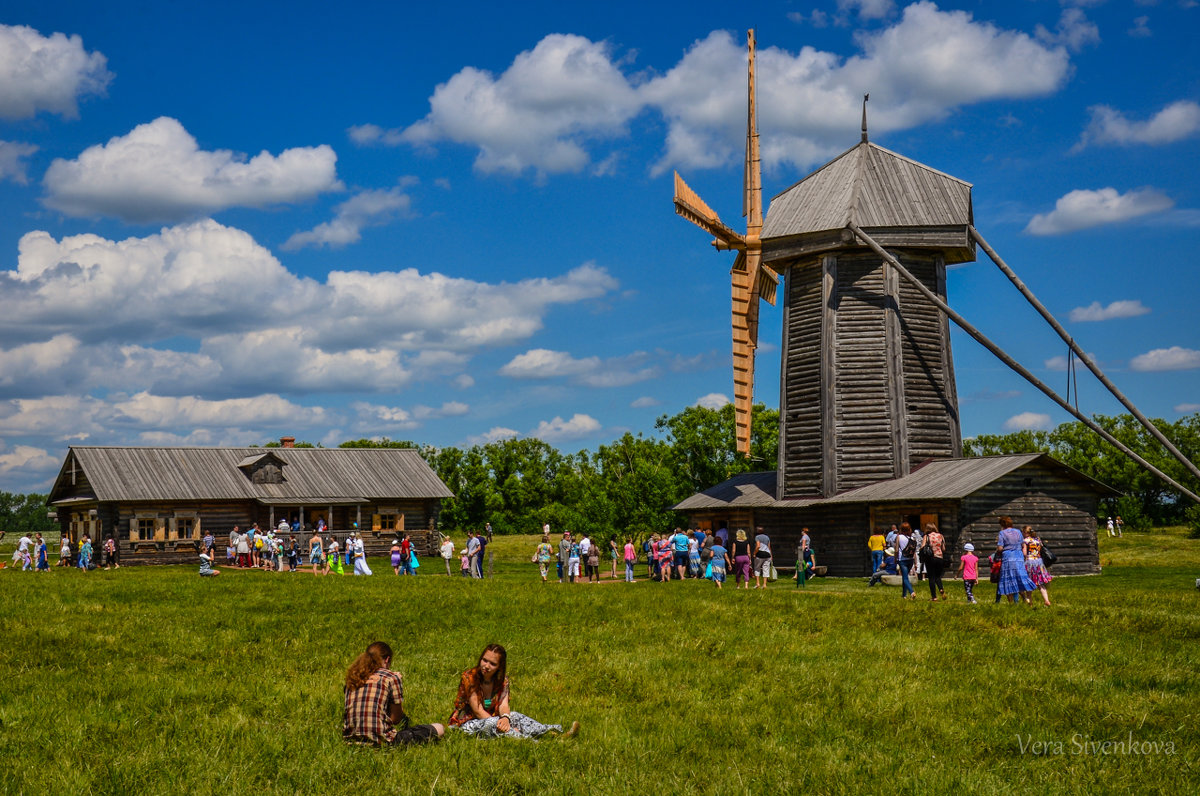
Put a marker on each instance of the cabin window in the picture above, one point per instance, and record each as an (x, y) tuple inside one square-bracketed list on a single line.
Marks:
[(185, 527), (145, 527)]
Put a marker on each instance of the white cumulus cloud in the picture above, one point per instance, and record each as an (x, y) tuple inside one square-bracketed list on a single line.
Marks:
[(494, 434), (559, 430), (46, 73), (1028, 421), (1128, 308), (1173, 358), (645, 402), (714, 400), (1083, 209), (365, 209), (918, 69), (158, 172), (1175, 122), (541, 113), (1187, 408), (254, 326), (26, 462), (542, 363)]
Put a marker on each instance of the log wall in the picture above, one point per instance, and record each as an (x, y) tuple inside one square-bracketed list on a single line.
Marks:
[(1062, 510)]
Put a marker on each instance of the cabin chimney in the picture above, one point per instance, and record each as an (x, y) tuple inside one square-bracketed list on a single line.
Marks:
[(287, 442)]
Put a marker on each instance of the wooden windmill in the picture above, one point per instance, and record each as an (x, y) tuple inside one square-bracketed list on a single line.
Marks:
[(750, 278), (867, 388)]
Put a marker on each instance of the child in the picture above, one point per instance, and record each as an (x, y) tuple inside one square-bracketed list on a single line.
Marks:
[(206, 567), (968, 570), (997, 564), (719, 561), (466, 563)]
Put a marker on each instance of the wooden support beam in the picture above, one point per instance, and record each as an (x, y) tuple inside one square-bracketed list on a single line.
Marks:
[(1087, 360), (999, 353)]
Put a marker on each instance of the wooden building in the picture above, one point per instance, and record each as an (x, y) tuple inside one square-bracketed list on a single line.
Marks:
[(159, 502), (869, 429), (964, 497)]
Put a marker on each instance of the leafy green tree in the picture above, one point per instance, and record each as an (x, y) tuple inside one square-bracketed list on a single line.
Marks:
[(24, 514), (383, 442), (704, 443)]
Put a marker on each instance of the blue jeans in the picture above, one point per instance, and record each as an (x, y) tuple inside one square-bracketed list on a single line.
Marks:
[(906, 586), (629, 572), (876, 560)]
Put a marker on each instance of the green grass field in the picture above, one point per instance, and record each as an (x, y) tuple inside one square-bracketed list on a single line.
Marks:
[(153, 680)]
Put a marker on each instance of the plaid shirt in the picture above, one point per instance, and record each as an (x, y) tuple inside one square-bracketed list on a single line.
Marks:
[(366, 717)]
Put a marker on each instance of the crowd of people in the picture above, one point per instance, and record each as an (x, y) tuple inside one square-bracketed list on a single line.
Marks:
[(373, 712), (1018, 566), (32, 554), (694, 553)]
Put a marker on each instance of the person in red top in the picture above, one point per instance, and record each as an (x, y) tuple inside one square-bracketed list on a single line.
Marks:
[(374, 709)]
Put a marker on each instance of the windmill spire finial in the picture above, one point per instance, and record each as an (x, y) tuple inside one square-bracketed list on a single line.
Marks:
[(864, 124)]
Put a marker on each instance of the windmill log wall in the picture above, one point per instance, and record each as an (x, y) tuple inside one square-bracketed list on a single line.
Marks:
[(867, 383)]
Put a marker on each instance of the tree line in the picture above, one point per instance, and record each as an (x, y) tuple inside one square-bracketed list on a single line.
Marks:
[(629, 485)]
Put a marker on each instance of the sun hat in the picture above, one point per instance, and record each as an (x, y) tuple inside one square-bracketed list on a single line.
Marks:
[(970, 548), (889, 552)]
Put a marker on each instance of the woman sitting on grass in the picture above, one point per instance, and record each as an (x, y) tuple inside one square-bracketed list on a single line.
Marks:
[(481, 705), (374, 709)]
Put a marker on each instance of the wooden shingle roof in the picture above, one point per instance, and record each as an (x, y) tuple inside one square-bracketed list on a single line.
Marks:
[(945, 479), (871, 187), (330, 474)]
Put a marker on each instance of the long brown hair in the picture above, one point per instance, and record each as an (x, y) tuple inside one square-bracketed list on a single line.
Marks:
[(367, 664), (497, 678)]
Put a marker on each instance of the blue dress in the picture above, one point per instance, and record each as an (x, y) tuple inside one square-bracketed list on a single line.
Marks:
[(1013, 577)]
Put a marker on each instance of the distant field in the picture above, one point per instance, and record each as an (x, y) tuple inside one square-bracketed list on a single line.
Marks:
[(153, 680)]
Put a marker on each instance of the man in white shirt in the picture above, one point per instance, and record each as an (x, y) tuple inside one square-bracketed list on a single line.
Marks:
[(448, 553), (473, 555), (22, 551)]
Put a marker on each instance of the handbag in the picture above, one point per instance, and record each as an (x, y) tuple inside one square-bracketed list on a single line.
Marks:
[(1048, 557), (774, 573)]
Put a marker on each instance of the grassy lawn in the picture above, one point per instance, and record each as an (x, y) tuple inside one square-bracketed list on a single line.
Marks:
[(153, 680)]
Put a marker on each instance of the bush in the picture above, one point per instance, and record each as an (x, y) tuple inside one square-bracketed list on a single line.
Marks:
[(1192, 520)]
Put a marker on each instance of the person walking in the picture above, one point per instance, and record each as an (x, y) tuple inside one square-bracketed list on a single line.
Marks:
[(876, 545), (316, 553), (762, 559), (612, 555), (630, 559), (395, 553), (905, 549), (447, 553), (473, 548), (968, 570), (741, 559), (935, 564), (542, 556), (564, 554), (360, 557), (1014, 579), (1034, 566)]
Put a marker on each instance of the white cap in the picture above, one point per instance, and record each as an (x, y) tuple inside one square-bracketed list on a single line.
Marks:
[(970, 548)]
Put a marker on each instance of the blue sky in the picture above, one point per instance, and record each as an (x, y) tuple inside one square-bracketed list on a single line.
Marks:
[(221, 223)]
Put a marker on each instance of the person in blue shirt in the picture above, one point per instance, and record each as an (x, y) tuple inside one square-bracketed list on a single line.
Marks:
[(888, 567), (679, 546), (720, 563)]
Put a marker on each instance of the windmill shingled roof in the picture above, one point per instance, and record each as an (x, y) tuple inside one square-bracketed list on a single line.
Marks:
[(873, 187)]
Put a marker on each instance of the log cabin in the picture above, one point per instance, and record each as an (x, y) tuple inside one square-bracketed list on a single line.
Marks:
[(159, 503)]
